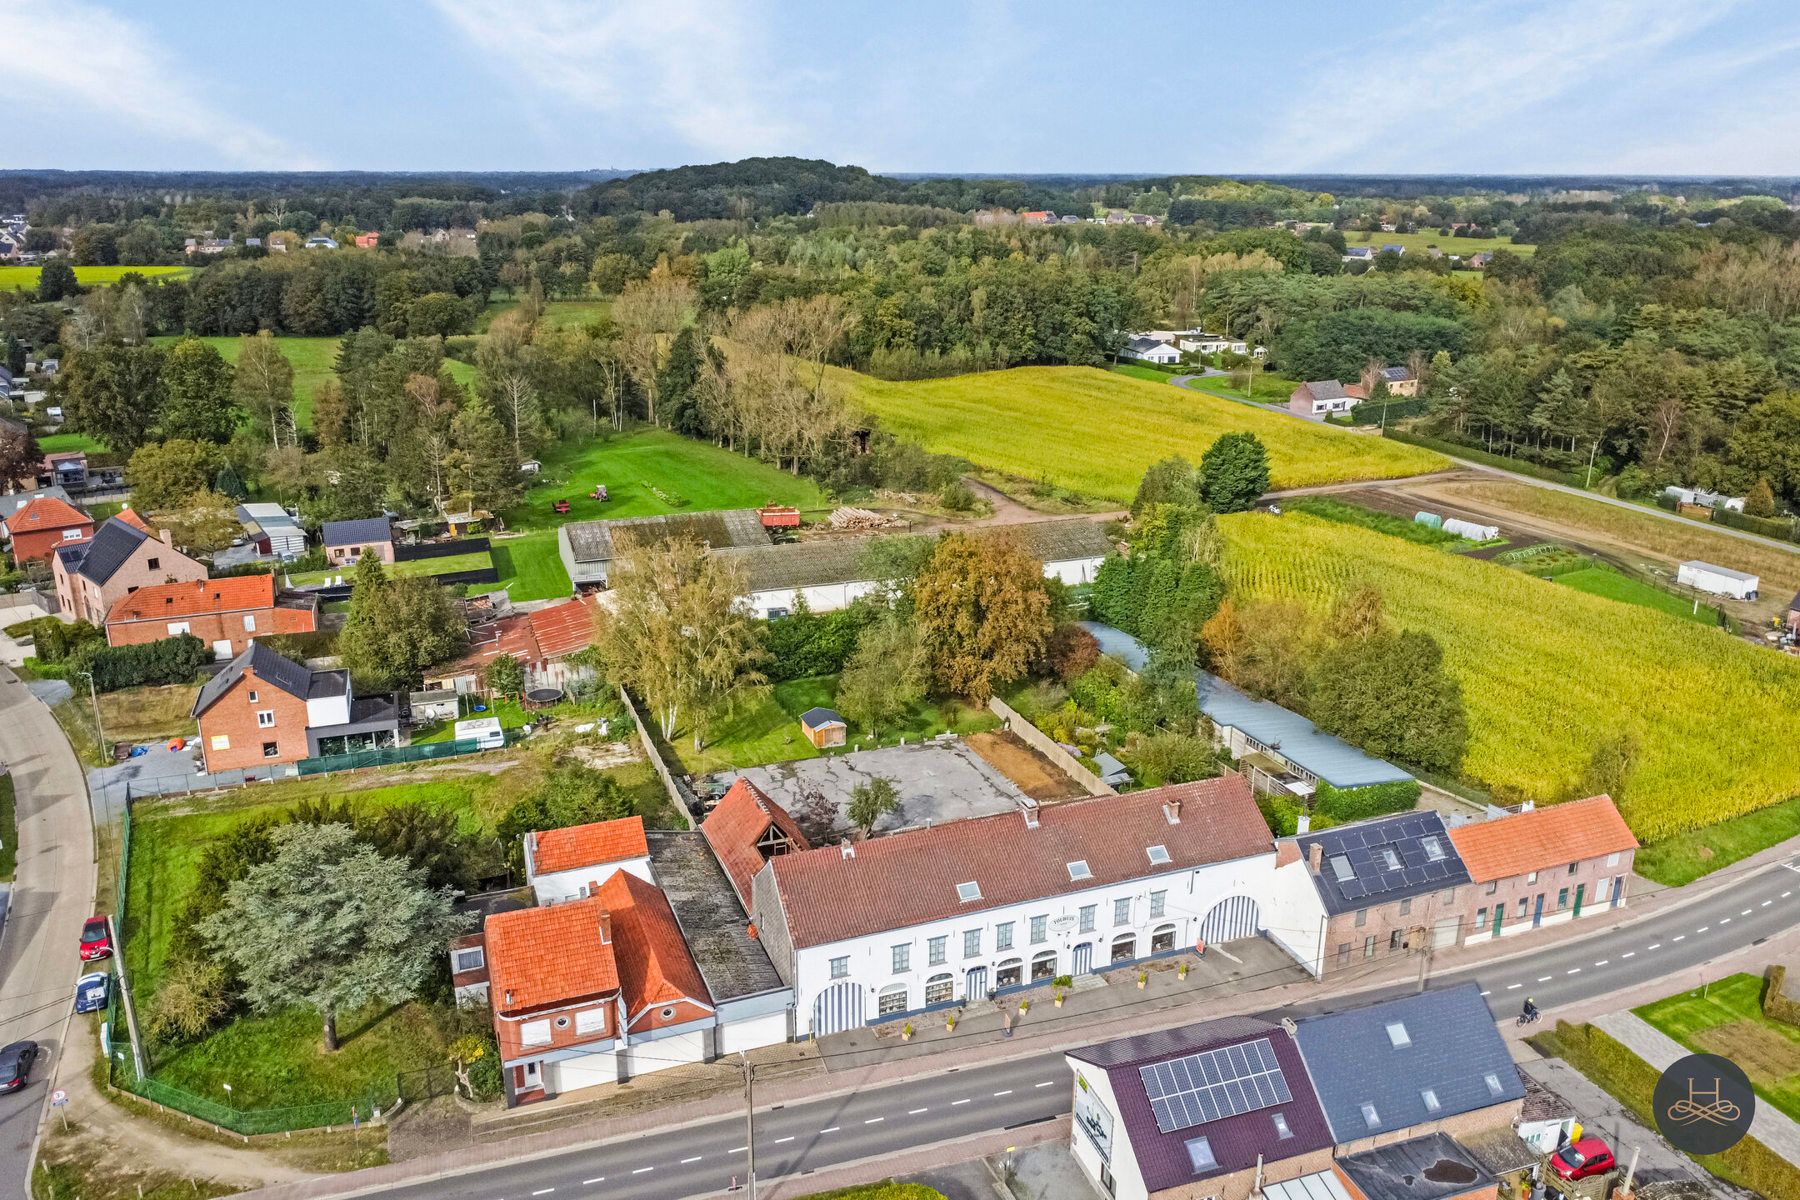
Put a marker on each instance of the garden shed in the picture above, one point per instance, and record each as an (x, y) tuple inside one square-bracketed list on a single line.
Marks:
[(824, 727)]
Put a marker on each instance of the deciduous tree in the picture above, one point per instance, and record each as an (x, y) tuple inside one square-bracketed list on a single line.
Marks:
[(396, 628), (1234, 472), (264, 386), (983, 613), (886, 675), (115, 393), (164, 474), (872, 800), (197, 400)]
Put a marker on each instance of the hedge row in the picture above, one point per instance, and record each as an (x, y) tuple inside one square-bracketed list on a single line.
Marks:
[(1782, 529), (168, 660), (1474, 454), (1607, 1062), (1357, 804), (1777, 1005)]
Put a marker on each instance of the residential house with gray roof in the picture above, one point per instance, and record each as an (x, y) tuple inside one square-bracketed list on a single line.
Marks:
[(121, 557)]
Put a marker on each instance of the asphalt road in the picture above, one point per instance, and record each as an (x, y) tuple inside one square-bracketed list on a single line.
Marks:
[(1603, 957), (52, 896)]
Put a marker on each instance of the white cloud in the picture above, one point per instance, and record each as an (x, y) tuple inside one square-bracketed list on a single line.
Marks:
[(1458, 82), (680, 66), (75, 53)]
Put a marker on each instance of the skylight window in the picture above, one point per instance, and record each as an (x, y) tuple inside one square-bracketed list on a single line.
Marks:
[(1390, 859), (1200, 1155), (1434, 849), (1158, 854), (1340, 866), (1281, 1127), (1079, 869), (968, 891), (1397, 1035), (1430, 1099), (1493, 1082), (1371, 1118)]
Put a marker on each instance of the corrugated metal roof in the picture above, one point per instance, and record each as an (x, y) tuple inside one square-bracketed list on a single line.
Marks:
[(1727, 572), (1297, 739), (603, 541), (828, 560)]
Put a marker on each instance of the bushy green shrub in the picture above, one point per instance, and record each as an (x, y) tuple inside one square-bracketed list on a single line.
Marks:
[(1358, 804), (1171, 757), (804, 644), (168, 660)]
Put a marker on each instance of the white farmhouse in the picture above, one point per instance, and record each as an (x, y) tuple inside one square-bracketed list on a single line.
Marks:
[(1148, 349), (928, 918)]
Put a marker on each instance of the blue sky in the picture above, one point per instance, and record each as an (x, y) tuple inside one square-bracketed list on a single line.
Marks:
[(1652, 86)]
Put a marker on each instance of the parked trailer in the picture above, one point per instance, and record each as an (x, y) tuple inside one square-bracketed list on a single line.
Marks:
[(485, 732), (1470, 530), (1716, 580)]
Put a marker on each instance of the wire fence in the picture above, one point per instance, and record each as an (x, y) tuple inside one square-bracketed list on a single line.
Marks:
[(386, 756)]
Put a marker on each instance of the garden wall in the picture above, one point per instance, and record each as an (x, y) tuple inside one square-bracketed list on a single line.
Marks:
[(1034, 737), (680, 794)]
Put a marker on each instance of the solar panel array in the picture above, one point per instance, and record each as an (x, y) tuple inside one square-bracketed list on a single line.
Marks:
[(1204, 1087), (1359, 856)]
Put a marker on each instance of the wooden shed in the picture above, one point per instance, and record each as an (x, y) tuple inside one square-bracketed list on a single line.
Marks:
[(824, 727)]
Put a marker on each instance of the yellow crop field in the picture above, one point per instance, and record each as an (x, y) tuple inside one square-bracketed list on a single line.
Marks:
[(1548, 671), (1094, 432)]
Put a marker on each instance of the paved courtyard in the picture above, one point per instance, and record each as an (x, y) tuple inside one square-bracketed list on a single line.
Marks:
[(938, 781)]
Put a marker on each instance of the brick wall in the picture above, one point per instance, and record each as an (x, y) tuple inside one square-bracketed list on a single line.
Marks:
[(1480, 1120), (40, 544), (1380, 931), (233, 717), (153, 561), (215, 627), (1558, 885)]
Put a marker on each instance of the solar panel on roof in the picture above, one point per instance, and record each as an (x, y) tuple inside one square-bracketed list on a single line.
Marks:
[(1214, 1084)]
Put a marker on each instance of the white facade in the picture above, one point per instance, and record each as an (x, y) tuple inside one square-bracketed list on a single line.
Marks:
[(323, 711), (841, 984), (1717, 581), (1162, 353), (575, 884), (1098, 1138), (1296, 915), (1212, 343), (830, 597)]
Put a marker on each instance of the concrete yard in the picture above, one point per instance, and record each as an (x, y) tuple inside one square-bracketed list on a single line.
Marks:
[(938, 781)]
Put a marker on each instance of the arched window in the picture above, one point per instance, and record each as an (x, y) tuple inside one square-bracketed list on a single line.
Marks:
[(892, 999), (940, 988), (1162, 938), (1010, 973), (1124, 948), (1043, 966)]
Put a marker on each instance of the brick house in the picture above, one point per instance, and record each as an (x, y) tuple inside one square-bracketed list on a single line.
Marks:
[(345, 541), (264, 709), (1543, 866), (228, 614), (44, 523), (1382, 887), (121, 557)]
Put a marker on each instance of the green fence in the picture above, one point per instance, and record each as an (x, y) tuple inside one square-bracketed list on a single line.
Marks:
[(387, 756)]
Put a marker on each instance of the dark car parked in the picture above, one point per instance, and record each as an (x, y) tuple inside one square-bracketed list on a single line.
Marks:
[(15, 1065), (91, 992)]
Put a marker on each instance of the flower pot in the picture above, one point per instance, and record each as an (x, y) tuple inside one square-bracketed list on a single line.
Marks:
[(1059, 1001), (1142, 980)]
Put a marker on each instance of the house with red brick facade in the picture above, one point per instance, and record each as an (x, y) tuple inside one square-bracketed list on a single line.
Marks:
[(122, 556), (264, 709), (43, 524), (228, 614), (1543, 866)]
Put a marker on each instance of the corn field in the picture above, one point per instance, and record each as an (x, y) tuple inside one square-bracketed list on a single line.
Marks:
[(1094, 432), (1548, 671)]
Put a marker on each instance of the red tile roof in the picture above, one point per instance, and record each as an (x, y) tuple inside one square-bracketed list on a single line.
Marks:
[(1544, 837), (588, 845), (656, 969), (911, 877), (545, 957), (737, 823), (46, 512), (195, 598), (535, 637), (131, 518)]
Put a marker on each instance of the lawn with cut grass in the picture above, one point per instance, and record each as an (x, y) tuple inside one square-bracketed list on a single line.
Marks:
[(1688, 856), (1603, 580), (1726, 1018), (9, 828), (769, 731), (529, 566), (1419, 243), (1095, 432), (15, 278), (66, 443), (448, 564), (1139, 371)]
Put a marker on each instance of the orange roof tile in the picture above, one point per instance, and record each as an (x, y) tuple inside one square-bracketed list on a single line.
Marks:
[(46, 512), (737, 823), (1544, 837), (655, 966), (588, 845), (544, 957), (130, 517), (195, 598)]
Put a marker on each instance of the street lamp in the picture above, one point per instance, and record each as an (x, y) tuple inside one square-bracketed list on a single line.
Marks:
[(99, 726)]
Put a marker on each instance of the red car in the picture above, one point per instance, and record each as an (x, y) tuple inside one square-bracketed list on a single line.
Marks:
[(96, 939), (1579, 1160)]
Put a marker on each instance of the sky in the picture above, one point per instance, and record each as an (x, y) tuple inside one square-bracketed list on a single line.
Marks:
[(972, 86)]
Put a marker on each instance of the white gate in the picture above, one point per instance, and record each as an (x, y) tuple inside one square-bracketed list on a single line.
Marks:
[(837, 1008), (1230, 919)]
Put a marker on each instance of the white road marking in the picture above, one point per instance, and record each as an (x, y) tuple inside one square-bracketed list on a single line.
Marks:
[(686, 1161), (1544, 978), (913, 1112), (1703, 929), (789, 1138), (1785, 895), (1722, 921), (593, 1181), (1046, 1083), (1656, 946), (1629, 954), (1007, 1092), (1765, 904), (1487, 993), (954, 1103), (874, 1120), (1513, 987), (1745, 913), (1680, 937), (833, 1129), (1573, 971), (642, 1170), (543, 1191), (1603, 962), (737, 1149)]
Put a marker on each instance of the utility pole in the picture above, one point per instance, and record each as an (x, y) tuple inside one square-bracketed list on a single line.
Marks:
[(1425, 960), (100, 726), (749, 1119)]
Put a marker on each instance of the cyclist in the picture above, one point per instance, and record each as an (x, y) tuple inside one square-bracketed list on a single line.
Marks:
[(1531, 1011)]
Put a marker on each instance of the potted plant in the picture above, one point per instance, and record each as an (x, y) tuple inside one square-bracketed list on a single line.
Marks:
[(1024, 1005), (1181, 971), (906, 1032), (1143, 978), (949, 1022)]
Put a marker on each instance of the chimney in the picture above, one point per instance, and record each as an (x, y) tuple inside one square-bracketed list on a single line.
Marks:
[(606, 929), (1528, 806), (1286, 853), (1292, 1029), (1029, 809), (1172, 811), (847, 849), (750, 931), (168, 539), (1315, 856)]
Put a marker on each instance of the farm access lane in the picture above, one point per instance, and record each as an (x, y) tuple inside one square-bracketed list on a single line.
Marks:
[(1625, 954), (52, 896)]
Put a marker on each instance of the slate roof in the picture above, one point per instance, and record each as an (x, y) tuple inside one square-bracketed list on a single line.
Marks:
[(603, 541), (820, 561), (734, 826), (732, 963), (1455, 1046), (45, 512), (364, 531), (1423, 860), (1235, 1140), (271, 668), (195, 598), (540, 957), (114, 542), (578, 846), (652, 957), (1547, 836), (818, 718), (1325, 389), (910, 877), (1432, 1167)]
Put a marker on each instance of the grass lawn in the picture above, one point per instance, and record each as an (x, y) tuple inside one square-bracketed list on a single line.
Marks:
[(13, 278), (1333, 509), (1137, 371), (9, 828), (314, 360), (1095, 432), (63, 443), (513, 716), (1603, 580), (1726, 1018), (148, 714), (1418, 243), (1272, 390), (1686, 857), (769, 730), (449, 564), (529, 566)]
